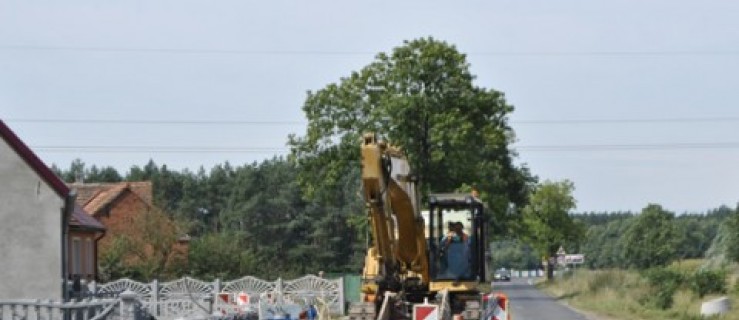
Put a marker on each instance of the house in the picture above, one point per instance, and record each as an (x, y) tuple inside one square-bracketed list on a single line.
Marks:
[(126, 209), (115, 205), (44, 237)]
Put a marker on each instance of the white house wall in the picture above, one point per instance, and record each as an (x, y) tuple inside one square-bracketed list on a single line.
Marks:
[(30, 231)]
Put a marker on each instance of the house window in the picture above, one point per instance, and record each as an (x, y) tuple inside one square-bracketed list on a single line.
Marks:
[(76, 255), (90, 255)]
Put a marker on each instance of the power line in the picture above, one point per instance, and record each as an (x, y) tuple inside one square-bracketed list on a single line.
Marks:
[(107, 49), (158, 122), (294, 52), (610, 53), (629, 120), (283, 150), (293, 122), (157, 149), (630, 147)]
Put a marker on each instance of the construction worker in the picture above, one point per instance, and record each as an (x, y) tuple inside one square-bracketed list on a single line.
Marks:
[(457, 252)]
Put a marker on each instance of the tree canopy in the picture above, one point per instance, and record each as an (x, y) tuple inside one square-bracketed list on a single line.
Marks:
[(547, 217), (421, 97), (651, 240)]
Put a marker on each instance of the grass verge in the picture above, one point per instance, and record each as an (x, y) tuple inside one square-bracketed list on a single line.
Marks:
[(626, 294)]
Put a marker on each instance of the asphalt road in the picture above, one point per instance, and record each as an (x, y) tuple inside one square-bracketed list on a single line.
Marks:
[(528, 303)]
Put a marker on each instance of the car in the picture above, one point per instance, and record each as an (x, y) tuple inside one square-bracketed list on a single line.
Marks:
[(502, 275)]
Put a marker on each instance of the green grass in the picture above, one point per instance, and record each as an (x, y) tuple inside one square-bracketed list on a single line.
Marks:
[(622, 294)]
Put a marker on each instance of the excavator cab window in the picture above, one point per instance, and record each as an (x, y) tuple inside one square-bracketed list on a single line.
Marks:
[(455, 231)]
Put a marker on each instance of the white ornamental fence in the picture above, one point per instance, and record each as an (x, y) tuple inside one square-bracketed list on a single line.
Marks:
[(94, 309), (169, 299), (185, 298), (190, 295)]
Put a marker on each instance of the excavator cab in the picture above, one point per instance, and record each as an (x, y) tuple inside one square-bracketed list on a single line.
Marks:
[(456, 242)]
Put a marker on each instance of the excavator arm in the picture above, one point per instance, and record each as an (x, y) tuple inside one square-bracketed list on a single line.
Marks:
[(398, 253)]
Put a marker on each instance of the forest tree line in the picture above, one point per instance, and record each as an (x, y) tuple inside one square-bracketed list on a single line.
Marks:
[(650, 238), (252, 220), (246, 220)]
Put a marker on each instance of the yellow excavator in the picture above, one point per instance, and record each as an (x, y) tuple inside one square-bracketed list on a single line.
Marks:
[(433, 258)]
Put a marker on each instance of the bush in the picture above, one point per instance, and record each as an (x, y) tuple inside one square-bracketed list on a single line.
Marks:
[(663, 282), (704, 282)]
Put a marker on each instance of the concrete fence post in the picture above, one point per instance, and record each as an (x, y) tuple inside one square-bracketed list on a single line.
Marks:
[(216, 287), (279, 285), (93, 288), (130, 306), (154, 299), (342, 299)]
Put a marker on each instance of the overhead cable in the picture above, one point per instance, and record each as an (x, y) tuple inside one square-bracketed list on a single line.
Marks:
[(310, 52), (583, 121), (283, 150)]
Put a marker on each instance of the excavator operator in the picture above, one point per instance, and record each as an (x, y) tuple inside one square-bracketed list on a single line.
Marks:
[(456, 249)]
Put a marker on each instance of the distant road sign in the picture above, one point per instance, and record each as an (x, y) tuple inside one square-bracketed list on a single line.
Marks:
[(574, 259), (561, 251)]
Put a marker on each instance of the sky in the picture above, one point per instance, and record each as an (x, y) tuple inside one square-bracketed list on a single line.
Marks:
[(634, 101)]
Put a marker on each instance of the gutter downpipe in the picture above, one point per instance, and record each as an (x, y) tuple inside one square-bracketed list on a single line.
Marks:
[(67, 212), (102, 234)]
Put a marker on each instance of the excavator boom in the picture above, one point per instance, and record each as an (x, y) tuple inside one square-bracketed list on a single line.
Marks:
[(399, 247)]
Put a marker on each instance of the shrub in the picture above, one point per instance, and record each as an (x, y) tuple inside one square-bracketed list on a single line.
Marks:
[(704, 282), (663, 282)]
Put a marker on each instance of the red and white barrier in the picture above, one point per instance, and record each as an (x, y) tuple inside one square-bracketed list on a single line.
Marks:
[(242, 299), (496, 307), (425, 312)]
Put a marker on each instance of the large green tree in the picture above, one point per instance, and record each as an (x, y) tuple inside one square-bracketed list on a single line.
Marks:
[(548, 222), (651, 239), (421, 97)]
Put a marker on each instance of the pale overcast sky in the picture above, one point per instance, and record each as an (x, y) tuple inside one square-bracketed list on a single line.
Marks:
[(661, 76)]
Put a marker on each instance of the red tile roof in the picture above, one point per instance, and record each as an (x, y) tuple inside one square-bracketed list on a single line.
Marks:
[(85, 192), (143, 189), (94, 197)]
